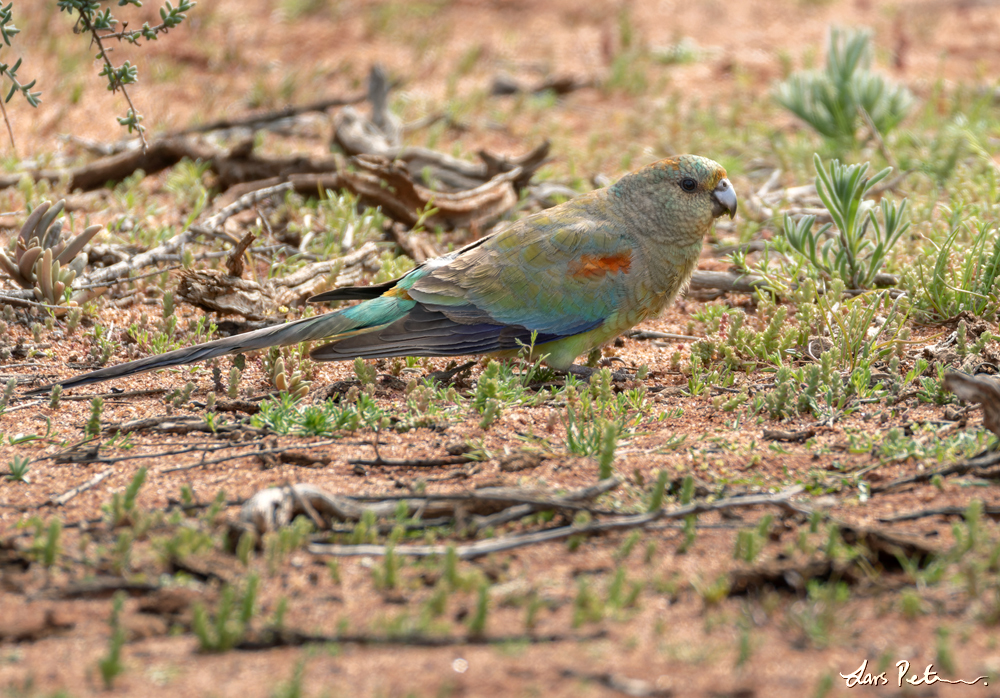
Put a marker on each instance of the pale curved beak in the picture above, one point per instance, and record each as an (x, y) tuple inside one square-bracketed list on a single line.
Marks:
[(724, 199)]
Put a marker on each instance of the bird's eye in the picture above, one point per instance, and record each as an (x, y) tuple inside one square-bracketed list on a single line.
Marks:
[(688, 184)]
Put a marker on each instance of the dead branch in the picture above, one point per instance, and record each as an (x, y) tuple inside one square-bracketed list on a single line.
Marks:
[(313, 279), (505, 84), (988, 509), (114, 396), (725, 281), (214, 290), (177, 424), (270, 639), (412, 463), (983, 389), (245, 202), (385, 183), (160, 154), (637, 688), (235, 456), (980, 462), (275, 507), (258, 120), (789, 436), (495, 545), (69, 494)]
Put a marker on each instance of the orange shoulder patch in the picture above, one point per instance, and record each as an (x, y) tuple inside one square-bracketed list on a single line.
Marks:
[(593, 266)]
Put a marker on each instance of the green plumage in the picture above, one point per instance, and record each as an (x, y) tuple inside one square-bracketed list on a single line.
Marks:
[(577, 274)]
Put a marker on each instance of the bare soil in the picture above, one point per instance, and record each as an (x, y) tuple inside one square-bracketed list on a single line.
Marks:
[(676, 640)]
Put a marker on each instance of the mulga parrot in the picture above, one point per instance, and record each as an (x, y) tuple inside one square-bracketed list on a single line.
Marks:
[(578, 274)]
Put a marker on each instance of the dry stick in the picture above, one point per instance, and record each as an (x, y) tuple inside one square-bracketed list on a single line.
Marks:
[(112, 395), (10, 131), (637, 688), (34, 403), (939, 511), (416, 463), (244, 203), (599, 488), (291, 638), (988, 459), (135, 456), (249, 121), (69, 494), (130, 278), (114, 273), (13, 300), (262, 452), (304, 503), (726, 281), (495, 545)]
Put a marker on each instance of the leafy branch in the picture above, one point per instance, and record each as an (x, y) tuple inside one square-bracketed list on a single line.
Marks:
[(99, 23), (7, 30)]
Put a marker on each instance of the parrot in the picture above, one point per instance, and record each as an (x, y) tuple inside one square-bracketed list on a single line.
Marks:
[(565, 281)]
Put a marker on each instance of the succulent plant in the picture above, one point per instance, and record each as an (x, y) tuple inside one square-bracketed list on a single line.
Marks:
[(42, 260)]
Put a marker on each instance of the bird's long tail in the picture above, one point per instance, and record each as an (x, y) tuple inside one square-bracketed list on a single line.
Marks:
[(321, 327)]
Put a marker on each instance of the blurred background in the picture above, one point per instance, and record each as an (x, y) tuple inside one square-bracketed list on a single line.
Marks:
[(628, 82)]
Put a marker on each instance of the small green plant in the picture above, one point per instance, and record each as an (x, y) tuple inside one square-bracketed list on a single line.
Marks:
[(365, 372), (93, 427), (101, 347), (54, 397), (41, 260), (713, 593), (179, 398), (491, 412), (8, 393), (606, 452), (289, 371), (477, 623), (822, 614), (958, 278), (122, 510), (50, 546), (19, 469), (111, 665), (232, 389), (850, 254), (587, 606), (8, 30), (847, 95), (232, 618), (387, 578), (73, 320), (293, 687), (656, 499), (691, 520), (186, 183)]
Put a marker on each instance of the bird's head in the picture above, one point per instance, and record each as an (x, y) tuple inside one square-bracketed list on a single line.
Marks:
[(682, 194)]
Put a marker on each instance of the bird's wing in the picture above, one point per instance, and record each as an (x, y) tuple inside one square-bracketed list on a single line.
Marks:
[(536, 276), (548, 277)]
